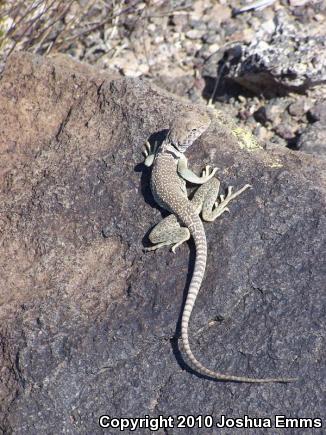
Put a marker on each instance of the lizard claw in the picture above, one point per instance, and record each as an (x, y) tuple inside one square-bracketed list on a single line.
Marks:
[(208, 172), (147, 148), (149, 152), (204, 171), (149, 248)]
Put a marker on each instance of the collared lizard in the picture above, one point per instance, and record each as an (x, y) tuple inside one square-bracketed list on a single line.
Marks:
[(168, 184)]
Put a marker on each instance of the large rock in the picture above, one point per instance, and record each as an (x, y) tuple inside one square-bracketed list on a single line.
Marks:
[(278, 60), (88, 321)]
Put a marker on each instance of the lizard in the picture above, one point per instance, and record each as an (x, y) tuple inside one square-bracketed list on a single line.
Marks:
[(169, 175)]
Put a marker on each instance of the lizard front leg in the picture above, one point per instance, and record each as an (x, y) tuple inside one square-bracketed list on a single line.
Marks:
[(190, 176), (205, 199), (149, 152), (168, 232)]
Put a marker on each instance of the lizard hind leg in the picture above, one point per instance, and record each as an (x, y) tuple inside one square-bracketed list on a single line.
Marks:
[(205, 196), (205, 199), (220, 205), (168, 232)]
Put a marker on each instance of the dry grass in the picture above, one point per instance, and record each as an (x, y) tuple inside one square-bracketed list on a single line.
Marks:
[(42, 26)]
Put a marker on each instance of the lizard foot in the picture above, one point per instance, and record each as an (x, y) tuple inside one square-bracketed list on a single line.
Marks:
[(153, 248), (168, 232), (220, 205), (183, 239), (208, 172)]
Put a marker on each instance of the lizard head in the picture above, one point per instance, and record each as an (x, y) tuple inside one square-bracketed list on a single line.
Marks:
[(186, 128)]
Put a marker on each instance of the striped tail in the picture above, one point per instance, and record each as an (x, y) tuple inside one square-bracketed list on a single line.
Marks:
[(197, 231)]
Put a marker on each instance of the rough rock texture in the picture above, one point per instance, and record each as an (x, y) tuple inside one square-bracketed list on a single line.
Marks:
[(88, 321)]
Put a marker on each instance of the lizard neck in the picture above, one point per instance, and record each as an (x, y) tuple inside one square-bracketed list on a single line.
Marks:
[(168, 148)]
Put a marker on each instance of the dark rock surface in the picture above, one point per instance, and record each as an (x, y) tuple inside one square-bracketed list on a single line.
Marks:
[(88, 321)]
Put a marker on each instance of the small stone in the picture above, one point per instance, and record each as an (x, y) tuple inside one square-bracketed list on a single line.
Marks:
[(230, 30), (261, 133), (273, 111), (298, 108), (260, 115), (319, 17), (106, 231), (212, 48), (179, 21), (298, 2), (151, 28), (268, 26), (313, 140), (197, 24), (191, 47), (210, 37), (213, 25), (219, 13), (195, 34), (318, 112), (158, 39), (285, 131)]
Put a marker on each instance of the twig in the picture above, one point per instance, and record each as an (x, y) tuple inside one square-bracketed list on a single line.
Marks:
[(106, 20), (47, 29), (28, 28)]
